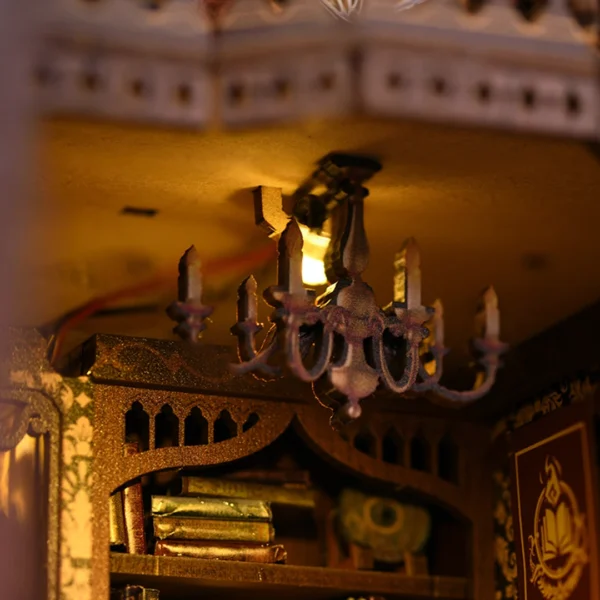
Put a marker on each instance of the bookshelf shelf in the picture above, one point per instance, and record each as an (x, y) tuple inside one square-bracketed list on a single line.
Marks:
[(184, 577)]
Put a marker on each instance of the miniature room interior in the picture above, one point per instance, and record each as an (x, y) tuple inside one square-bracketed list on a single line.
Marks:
[(304, 301)]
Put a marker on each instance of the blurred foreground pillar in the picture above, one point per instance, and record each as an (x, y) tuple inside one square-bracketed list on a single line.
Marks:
[(21, 564)]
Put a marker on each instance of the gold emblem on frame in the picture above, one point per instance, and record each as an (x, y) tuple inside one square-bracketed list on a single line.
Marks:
[(558, 549)]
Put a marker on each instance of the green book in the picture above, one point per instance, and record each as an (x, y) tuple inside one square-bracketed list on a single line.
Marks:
[(186, 528), (199, 486), (204, 507)]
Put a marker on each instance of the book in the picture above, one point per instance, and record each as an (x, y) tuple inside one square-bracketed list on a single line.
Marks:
[(237, 552), (199, 486), (204, 507), (133, 509), (186, 528), (285, 477), (557, 532), (116, 520), (134, 592), (137, 592)]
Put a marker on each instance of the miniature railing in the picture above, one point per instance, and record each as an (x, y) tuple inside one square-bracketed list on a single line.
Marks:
[(180, 430)]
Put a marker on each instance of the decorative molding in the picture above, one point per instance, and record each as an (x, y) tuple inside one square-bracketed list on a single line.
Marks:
[(448, 494), (77, 490), (178, 26), (249, 435), (493, 92), (34, 412), (129, 86), (265, 89), (434, 62), (562, 394), (61, 408), (24, 412), (505, 557)]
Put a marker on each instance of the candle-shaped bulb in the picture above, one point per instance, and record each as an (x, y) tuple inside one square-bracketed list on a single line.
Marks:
[(248, 300), (290, 259), (407, 275), (190, 276), (189, 312), (438, 323), (489, 316)]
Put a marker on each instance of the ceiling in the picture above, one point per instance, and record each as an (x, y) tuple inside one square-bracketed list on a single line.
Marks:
[(486, 207)]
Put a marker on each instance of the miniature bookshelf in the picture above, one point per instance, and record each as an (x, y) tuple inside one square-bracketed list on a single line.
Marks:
[(216, 424)]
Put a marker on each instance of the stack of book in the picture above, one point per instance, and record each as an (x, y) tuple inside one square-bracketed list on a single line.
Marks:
[(217, 528), (134, 592)]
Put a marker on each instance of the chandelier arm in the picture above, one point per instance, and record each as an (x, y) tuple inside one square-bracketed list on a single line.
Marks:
[(246, 339), (258, 363), (294, 353), (430, 380), (491, 368), (248, 355), (411, 370)]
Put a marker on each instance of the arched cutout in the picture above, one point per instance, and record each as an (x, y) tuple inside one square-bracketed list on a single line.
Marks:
[(166, 428), (473, 6), (195, 429), (251, 421), (484, 92), (392, 448), (585, 12), (573, 104), (394, 80), (448, 459), (225, 427), (153, 4), (365, 442), (137, 426), (530, 10), (420, 453)]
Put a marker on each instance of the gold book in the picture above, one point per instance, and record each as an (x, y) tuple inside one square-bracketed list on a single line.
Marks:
[(238, 552), (116, 519), (231, 509), (134, 511), (198, 486), (137, 592), (186, 528)]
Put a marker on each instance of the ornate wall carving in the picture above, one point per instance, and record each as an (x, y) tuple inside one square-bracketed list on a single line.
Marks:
[(27, 411), (563, 394), (62, 408)]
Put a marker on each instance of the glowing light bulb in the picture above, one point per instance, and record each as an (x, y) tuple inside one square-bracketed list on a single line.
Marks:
[(313, 259), (313, 271)]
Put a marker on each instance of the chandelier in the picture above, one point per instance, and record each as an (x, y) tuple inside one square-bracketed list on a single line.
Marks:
[(342, 341)]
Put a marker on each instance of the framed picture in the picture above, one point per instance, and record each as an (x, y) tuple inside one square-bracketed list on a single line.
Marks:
[(555, 506)]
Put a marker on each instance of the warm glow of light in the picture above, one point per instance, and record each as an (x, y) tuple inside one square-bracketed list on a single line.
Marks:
[(313, 265), (313, 271)]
